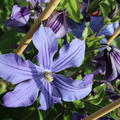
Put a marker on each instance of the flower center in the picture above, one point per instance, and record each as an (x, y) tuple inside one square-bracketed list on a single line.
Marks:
[(48, 76)]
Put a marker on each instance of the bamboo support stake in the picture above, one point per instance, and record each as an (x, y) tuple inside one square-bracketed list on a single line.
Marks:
[(105, 110), (116, 33), (44, 15)]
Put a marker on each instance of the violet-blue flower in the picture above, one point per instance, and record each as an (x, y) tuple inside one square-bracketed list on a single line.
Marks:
[(58, 24), (31, 79), (109, 62), (21, 15), (19, 18)]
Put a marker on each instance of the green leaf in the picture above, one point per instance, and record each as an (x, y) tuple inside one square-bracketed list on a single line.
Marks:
[(8, 41), (73, 9), (78, 104), (86, 31), (100, 92), (70, 37), (105, 9), (3, 86)]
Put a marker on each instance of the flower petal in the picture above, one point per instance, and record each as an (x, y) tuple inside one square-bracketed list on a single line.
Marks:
[(58, 24), (108, 30), (116, 25), (96, 23), (71, 90), (15, 69), (111, 71), (46, 43), (75, 28), (19, 18), (70, 55), (23, 95), (48, 96)]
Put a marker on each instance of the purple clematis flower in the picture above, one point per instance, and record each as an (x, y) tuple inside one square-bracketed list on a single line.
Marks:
[(34, 78), (109, 62), (109, 29), (75, 28), (21, 15), (19, 18), (58, 24)]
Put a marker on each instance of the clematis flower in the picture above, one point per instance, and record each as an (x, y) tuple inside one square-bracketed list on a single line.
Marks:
[(19, 18), (97, 23), (75, 28), (58, 24), (109, 29), (109, 61), (21, 15), (31, 79)]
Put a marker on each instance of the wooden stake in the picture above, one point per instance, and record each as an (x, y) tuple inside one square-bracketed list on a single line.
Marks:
[(105, 110), (44, 15)]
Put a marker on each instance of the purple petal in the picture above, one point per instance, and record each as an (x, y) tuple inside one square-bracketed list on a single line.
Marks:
[(96, 23), (48, 96), (116, 25), (19, 17), (71, 90), (58, 24), (75, 28), (111, 71), (46, 43), (15, 69), (108, 30), (70, 55), (23, 95)]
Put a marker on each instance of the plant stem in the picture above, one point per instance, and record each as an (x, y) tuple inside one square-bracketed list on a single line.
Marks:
[(105, 110), (44, 15)]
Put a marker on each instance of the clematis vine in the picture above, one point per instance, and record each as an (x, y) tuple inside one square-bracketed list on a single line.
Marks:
[(109, 62), (31, 78)]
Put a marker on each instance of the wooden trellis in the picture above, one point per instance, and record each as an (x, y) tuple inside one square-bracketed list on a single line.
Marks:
[(45, 14)]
